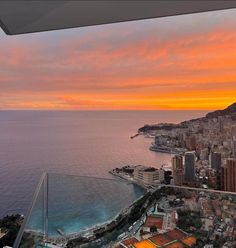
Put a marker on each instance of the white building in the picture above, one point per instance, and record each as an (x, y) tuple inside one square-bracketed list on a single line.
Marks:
[(148, 176)]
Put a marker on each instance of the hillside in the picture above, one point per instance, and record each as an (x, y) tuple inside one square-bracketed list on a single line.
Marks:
[(227, 111), (230, 110)]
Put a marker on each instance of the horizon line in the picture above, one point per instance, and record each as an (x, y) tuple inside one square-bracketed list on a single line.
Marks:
[(100, 110)]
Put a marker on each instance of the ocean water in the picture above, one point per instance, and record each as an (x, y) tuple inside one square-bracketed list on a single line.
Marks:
[(77, 203), (72, 142)]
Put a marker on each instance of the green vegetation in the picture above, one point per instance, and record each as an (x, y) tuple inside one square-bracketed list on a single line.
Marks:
[(139, 208), (153, 229), (189, 221), (105, 235), (10, 225), (219, 242), (125, 169), (117, 226), (165, 126), (77, 242)]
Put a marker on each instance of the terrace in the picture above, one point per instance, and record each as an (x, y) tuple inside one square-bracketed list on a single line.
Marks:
[(69, 207), (73, 210)]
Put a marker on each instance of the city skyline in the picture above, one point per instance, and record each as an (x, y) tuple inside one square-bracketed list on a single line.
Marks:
[(182, 62)]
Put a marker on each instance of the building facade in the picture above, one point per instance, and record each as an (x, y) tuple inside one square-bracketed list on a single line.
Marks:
[(215, 160), (189, 162), (148, 176), (230, 175), (178, 170)]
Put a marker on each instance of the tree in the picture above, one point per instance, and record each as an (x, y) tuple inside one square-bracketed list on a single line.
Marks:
[(153, 229), (10, 225)]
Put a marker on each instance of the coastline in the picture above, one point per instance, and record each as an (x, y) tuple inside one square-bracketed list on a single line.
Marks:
[(89, 233), (112, 172)]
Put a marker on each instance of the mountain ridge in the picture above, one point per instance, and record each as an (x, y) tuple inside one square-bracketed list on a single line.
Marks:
[(231, 109)]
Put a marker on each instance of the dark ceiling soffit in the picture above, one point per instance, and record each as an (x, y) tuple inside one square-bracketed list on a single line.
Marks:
[(19, 17)]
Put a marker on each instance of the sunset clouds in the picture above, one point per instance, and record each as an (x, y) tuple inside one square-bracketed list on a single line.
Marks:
[(183, 62)]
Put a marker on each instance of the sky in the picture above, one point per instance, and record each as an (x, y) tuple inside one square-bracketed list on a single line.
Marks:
[(173, 63)]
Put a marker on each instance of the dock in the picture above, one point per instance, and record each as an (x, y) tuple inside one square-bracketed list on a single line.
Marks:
[(134, 136)]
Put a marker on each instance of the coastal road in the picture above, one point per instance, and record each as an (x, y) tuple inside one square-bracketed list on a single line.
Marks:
[(196, 189)]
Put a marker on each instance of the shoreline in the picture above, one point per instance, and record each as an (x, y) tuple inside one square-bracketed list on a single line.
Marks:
[(89, 233), (112, 172)]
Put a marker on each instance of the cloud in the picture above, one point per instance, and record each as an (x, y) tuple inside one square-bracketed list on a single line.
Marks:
[(121, 65)]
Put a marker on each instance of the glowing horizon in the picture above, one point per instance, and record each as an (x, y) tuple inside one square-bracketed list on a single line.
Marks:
[(173, 63)]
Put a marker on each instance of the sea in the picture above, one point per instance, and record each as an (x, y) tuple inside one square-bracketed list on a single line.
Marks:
[(79, 143)]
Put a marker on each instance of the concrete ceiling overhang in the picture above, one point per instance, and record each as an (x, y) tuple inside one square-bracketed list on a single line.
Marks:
[(19, 17)]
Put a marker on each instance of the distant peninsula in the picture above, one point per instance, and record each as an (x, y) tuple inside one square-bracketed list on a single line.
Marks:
[(229, 111)]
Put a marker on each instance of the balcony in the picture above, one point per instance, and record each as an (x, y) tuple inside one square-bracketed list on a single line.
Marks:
[(68, 211), (65, 207)]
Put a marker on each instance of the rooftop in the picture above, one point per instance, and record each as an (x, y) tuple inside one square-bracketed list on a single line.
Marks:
[(154, 220), (190, 241), (160, 239), (176, 234), (144, 244), (130, 241)]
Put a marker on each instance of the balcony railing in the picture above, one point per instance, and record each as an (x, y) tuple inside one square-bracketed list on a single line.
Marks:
[(67, 208)]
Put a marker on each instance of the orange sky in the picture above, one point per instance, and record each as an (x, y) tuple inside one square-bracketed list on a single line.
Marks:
[(182, 62)]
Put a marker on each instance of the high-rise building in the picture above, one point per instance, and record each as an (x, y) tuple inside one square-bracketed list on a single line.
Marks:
[(178, 170), (215, 160), (189, 161), (234, 148), (230, 175)]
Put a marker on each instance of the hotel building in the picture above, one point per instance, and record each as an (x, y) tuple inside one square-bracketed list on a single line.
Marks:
[(148, 176)]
